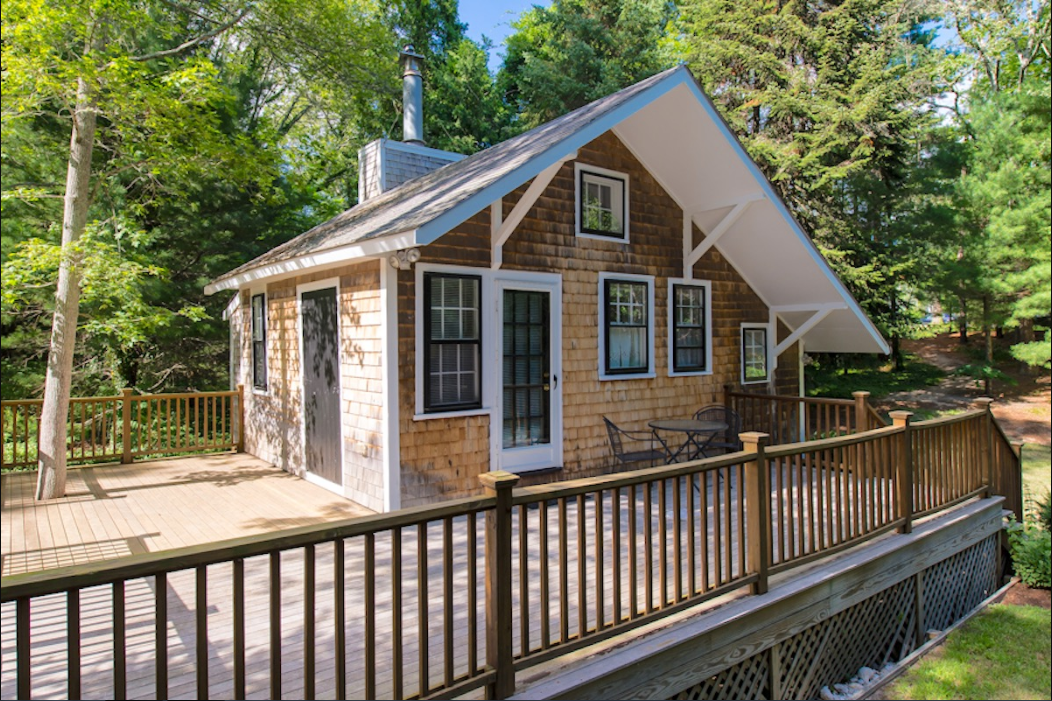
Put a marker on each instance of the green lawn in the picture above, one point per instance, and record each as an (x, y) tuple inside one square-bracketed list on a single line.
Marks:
[(878, 381), (1037, 469), (1003, 653)]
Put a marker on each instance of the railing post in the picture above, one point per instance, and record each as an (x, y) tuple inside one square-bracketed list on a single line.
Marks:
[(861, 413), (498, 583), (241, 418), (985, 404), (126, 402), (904, 476), (727, 389), (758, 507)]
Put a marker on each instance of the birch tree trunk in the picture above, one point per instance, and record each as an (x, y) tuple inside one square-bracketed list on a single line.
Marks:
[(51, 478)]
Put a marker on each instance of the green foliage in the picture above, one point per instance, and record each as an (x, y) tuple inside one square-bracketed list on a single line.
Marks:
[(1003, 653), (565, 55), (1031, 549), (982, 374), (1043, 511), (826, 380)]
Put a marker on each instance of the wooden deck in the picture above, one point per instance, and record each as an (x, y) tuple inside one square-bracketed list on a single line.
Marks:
[(116, 510)]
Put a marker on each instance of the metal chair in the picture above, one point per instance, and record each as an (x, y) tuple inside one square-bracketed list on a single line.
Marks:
[(618, 438), (728, 440)]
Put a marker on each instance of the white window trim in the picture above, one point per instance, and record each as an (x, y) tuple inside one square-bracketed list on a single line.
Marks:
[(307, 475), (489, 316), (578, 167), (651, 322), (249, 377), (707, 286), (741, 352)]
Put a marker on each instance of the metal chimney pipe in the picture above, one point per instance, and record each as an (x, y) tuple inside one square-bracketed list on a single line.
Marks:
[(412, 96)]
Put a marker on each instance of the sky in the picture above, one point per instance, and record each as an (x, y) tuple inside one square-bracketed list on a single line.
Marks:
[(493, 19)]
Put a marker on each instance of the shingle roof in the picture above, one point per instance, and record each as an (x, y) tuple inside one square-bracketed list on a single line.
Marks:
[(423, 199)]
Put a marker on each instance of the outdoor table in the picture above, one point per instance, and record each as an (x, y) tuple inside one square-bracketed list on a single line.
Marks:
[(698, 436)]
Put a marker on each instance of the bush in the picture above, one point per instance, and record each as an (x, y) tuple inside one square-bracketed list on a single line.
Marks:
[(1043, 511), (1031, 554)]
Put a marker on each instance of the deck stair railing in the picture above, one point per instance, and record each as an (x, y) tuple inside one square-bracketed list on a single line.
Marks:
[(127, 426), (445, 599)]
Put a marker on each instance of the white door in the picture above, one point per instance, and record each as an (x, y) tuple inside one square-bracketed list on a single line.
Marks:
[(529, 402)]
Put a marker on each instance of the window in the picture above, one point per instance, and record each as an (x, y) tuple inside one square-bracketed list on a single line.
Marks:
[(627, 338), (602, 203), (689, 327), (259, 341), (452, 334), (754, 354)]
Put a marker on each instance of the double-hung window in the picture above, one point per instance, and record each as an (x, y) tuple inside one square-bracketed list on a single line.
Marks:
[(602, 203), (755, 365), (452, 342), (259, 341), (626, 313), (689, 334)]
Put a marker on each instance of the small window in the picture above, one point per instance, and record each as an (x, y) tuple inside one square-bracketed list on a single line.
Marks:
[(452, 334), (627, 307), (602, 203), (689, 327), (259, 341), (754, 354)]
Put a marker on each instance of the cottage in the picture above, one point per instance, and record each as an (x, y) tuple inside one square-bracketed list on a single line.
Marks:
[(626, 260)]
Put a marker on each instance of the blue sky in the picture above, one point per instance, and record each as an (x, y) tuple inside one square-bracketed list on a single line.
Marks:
[(493, 18)]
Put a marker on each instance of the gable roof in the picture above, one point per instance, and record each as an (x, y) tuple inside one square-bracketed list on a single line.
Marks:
[(676, 132)]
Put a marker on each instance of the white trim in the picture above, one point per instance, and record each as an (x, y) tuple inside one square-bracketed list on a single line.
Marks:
[(481, 411), (651, 326), (688, 244), (255, 291), (390, 433), (788, 308), (578, 168), (506, 227), (707, 286), (723, 227), (741, 352), (313, 262), (496, 219), (551, 456), (419, 150), (802, 329), (333, 282)]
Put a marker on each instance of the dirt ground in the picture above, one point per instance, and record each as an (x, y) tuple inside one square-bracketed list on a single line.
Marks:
[(1024, 409)]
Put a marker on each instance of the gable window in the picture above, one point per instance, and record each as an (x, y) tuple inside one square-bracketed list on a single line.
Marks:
[(689, 326), (627, 333), (453, 342), (602, 203), (259, 341), (755, 366)]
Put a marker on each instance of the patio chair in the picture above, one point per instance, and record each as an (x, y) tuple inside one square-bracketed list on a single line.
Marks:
[(728, 440), (640, 445)]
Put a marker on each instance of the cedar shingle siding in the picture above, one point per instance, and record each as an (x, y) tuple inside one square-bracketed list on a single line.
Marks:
[(442, 458)]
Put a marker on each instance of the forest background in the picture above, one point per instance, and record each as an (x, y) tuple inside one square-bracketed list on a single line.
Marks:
[(921, 168)]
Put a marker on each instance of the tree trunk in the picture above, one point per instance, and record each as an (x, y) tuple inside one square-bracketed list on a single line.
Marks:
[(51, 478), (989, 340), (962, 321)]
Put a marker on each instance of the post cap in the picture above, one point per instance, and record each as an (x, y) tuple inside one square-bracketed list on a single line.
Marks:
[(499, 479), (983, 402), (754, 437), (860, 394), (900, 416)]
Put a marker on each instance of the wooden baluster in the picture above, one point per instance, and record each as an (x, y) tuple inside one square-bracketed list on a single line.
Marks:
[(275, 625), (447, 603), (633, 557), (524, 582), (309, 638), (73, 643), (339, 578), (396, 611), (120, 660), (369, 574), (600, 569), (201, 630), (582, 571), (423, 657), (615, 551), (473, 586), (663, 542), (23, 646), (703, 524), (564, 575), (239, 628), (648, 547)]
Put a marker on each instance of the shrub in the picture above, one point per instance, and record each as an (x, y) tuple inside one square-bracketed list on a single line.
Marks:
[(1043, 511), (1031, 554)]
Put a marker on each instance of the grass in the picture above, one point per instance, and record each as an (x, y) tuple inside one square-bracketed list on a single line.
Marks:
[(1003, 653), (1037, 470), (879, 381)]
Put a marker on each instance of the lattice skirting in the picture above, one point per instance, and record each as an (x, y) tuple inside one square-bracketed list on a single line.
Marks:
[(873, 632)]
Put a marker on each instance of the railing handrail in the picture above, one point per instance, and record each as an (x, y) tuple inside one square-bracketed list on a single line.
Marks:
[(92, 574), (791, 398), (801, 447), (134, 397), (947, 420)]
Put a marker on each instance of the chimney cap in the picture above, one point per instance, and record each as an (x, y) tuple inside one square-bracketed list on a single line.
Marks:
[(409, 52)]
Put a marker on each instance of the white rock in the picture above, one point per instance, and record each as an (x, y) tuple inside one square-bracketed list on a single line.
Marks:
[(866, 674), (826, 695)]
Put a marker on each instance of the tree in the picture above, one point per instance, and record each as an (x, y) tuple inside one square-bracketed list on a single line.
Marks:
[(141, 93), (566, 55)]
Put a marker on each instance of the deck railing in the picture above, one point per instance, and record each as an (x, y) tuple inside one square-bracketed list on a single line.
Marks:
[(441, 600), (788, 419), (126, 426)]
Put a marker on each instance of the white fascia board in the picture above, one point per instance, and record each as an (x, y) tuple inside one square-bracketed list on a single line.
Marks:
[(231, 306), (555, 153), (371, 248), (777, 202)]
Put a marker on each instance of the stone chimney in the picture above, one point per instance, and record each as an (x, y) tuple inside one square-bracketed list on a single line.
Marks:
[(384, 164)]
